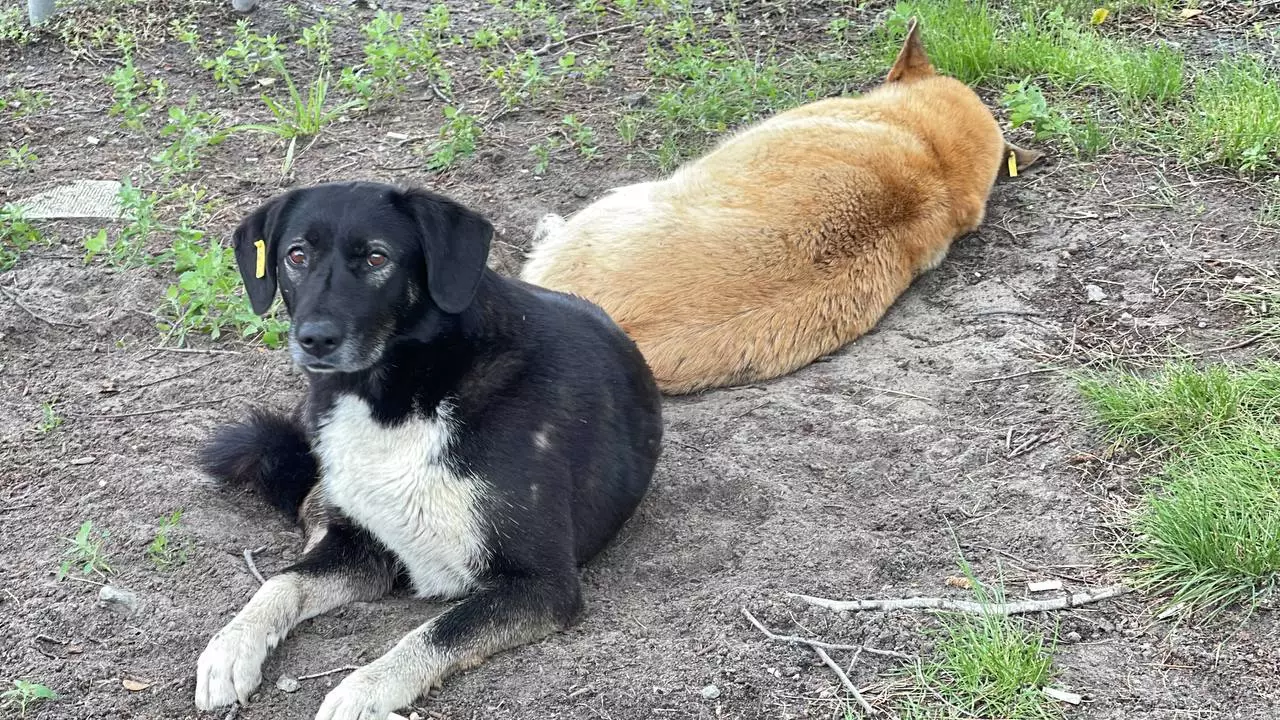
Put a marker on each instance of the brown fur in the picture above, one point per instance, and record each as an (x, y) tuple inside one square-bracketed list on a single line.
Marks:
[(790, 239)]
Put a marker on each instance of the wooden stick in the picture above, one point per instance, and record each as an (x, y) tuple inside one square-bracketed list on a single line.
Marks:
[(157, 411), (844, 679), (969, 606), (818, 643), (253, 567), (33, 313), (582, 36), (334, 671)]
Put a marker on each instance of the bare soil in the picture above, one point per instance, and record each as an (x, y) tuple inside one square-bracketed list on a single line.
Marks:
[(866, 474)]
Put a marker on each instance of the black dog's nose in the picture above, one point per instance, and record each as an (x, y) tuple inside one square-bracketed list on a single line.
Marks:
[(319, 337)]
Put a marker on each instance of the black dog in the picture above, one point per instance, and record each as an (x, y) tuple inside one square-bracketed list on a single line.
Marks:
[(474, 435)]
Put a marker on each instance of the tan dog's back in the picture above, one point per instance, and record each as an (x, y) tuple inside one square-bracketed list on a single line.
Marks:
[(790, 239)]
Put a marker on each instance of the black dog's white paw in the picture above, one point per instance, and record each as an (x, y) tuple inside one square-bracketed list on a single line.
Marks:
[(230, 668)]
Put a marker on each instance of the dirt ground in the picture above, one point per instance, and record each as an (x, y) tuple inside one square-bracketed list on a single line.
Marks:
[(855, 477)]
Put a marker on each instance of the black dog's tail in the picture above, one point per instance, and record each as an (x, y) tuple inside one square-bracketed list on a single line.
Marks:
[(267, 452)]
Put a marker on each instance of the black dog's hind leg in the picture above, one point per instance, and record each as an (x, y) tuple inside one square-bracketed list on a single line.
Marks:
[(344, 565), (510, 611)]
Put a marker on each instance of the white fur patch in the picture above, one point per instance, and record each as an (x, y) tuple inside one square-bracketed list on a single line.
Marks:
[(396, 482), (230, 668)]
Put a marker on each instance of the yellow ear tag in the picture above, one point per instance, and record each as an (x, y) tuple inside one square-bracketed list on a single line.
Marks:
[(1013, 165), (262, 257)]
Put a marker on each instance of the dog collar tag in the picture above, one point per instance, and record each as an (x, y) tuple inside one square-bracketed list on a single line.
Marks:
[(262, 255), (1013, 172)]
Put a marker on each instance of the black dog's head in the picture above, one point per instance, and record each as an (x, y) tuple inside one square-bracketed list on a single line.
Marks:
[(360, 265)]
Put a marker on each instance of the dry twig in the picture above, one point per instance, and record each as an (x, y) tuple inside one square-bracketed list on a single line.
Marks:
[(820, 644), (334, 671), (253, 567), (582, 36), (969, 606), (844, 679)]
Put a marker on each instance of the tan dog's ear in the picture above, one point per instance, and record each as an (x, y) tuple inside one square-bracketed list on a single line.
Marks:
[(912, 62), (1022, 159)]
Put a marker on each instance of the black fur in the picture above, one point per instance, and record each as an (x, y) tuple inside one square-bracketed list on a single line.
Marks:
[(431, 327), (267, 452)]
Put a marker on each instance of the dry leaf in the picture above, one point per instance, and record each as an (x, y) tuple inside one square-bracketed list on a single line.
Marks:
[(1099, 16), (134, 685), (1044, 586), (963, 583), (1063, 695), (1188, 13)]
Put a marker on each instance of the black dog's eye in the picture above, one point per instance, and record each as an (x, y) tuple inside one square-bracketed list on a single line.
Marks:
[(376, 259), (297, 256)]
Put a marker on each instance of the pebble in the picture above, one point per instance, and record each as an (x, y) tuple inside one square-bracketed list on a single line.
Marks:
[(1094, 293), (710, 692), (1073, 636), (118, 600), (635, 99), (287, 684)]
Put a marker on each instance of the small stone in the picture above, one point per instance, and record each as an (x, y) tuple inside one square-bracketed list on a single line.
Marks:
[(710, 692), (1126, 317), (581, 192), (1094, 293), (118, 600), (1073, 248), (1073, 636), (636, 99), (287, 684), (86, 460)]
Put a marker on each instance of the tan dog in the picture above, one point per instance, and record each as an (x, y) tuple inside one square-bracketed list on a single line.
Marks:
[(790, 239)]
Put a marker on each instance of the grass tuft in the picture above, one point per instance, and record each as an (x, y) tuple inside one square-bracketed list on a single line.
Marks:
[(983, 666), (1235, 117), (1207, 533)]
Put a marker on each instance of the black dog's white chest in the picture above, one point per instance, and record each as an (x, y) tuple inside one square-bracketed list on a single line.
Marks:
[(397, 483)]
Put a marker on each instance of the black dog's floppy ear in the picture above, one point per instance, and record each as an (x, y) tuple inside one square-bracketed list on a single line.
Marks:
[(255, 243), (455, 241)]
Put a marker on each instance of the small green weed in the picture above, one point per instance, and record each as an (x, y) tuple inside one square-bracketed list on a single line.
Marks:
[(247, 57), (521, 80), (131, 91), (628, 127), (392, 54), (16, 235), (191, 130), (541, 152), (165, 550), (50, 420), (86, 552), (581, 136), (13, 25), (23, 102), (20, 158), (25, 695), (130, 245), (318, 38), (484, 39), (1027, 106), (457, 140), (208, 297)]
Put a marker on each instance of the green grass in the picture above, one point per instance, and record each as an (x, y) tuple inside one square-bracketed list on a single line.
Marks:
[(301, 116), (86, 552), (1234, 118), (976, 43), (458, 138), (983, 666), (1207, 531), (166, 551), (25, 695)]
